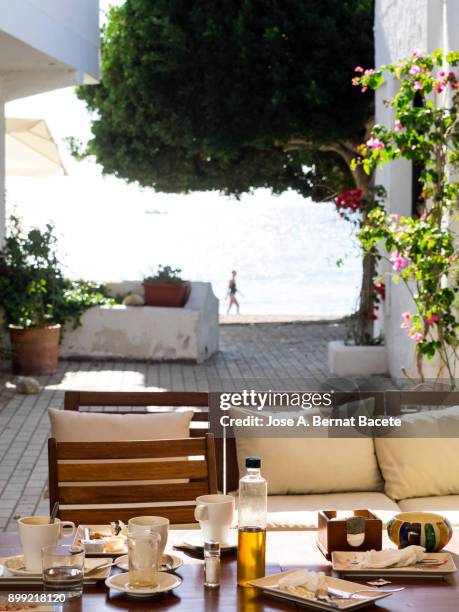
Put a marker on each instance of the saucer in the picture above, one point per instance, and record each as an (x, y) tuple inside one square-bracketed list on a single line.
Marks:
[(197, 541), (176, 562), (16, 566), (166, 582)]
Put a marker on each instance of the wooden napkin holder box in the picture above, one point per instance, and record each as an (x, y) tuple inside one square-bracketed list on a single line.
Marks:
[(332, 535)]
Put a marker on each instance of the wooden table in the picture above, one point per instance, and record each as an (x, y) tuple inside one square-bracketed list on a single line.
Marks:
[(285, 550)]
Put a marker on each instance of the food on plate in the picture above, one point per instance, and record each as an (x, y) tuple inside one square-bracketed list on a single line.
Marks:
[(303, 583)]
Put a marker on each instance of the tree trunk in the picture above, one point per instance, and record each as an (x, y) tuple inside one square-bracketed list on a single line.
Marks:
[(366, 304), (364, 329)]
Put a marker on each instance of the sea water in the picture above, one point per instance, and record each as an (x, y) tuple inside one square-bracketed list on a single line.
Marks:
[(284, 248)]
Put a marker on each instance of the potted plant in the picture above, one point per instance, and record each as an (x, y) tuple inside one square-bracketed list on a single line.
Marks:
[(166, 288), (36, 299)]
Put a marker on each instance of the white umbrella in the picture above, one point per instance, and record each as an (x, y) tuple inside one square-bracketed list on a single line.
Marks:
[(30, 149)]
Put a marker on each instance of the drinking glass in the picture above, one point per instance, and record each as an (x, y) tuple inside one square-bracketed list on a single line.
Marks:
[(143, 554), (63, 569)]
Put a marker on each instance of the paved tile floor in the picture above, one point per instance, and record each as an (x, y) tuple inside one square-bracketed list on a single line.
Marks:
[(290, 351)]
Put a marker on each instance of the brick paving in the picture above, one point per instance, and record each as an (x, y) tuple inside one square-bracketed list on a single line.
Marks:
[(270, 351)]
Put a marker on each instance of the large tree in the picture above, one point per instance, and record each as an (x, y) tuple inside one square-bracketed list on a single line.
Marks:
[(233, 95)]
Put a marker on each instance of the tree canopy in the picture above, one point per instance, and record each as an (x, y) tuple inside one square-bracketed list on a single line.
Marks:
[(232, 95)]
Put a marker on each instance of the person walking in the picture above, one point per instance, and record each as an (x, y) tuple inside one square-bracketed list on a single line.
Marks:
[(232, 290)]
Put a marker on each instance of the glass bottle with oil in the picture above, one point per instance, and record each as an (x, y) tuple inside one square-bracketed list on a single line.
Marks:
[(251, 550)]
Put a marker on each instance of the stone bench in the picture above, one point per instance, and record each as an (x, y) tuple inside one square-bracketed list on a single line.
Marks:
[(146, 332)]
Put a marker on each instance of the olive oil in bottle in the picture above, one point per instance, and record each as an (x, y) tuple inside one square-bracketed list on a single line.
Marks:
[(251, 550)]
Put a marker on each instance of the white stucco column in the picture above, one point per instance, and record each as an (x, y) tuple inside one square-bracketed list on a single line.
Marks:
[(2, 173)]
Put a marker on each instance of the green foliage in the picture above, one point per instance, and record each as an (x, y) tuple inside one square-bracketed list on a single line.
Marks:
[(33, 290), (421, 250), (199, 96), (165, 274)]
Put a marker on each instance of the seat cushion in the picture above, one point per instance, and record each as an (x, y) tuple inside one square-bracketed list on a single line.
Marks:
[(73, 426), (300, 511), (447, 505), (308, 465), (417, 464)]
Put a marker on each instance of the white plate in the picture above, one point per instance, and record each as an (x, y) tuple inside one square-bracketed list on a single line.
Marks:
[(121, 549), (196, 540), (269, 585), (15, 566), (166, 582), (123, 563), (342, 563)]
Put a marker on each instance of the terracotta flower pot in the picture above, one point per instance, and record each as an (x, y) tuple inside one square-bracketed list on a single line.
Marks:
[(35, 350), (172, 295)]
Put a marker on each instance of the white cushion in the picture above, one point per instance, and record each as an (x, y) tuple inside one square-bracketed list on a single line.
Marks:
[(446, 506), (422, 466), (300, 511), (309, 465), (73, 426)]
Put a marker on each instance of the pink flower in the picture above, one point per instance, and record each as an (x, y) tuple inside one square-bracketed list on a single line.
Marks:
[(356, 81), (442, 74), (364, 89), (416, 53), (440, 86), (431, 320), (418, 85), (423, 217), (358, 69), (375, 143), (405, 325), (417, 336), (396, 217), (398, 261), (398, 127), (414, 70), (406, 316), (369, 71)]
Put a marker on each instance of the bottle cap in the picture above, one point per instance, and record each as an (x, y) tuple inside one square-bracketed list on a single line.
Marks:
[(253, 462), (212, 546)]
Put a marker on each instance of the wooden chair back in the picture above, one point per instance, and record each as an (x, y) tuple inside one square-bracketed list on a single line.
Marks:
[(90, 480), (161, 401)]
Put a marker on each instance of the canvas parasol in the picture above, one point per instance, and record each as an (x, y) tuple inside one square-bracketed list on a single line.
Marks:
[(30, 149)]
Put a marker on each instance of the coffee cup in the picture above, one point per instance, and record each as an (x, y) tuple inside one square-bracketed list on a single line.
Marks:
[(157, 524), (215, 515), (36, 532)]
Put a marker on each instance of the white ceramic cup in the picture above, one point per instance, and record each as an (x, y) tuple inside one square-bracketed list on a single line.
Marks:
[(158, 524), (35, 532), (215, 515)]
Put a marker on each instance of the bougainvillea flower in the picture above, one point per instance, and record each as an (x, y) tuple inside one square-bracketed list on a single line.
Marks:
[(398, 127), (406, 316), (416, 53), (431, 320), (417, 336), (375, 143), (418, 85), (414, 70), (358, 69), (398, 261)]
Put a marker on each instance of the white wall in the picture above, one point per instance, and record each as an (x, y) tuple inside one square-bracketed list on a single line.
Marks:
[(44, 45), (66, 30), (400, 27)]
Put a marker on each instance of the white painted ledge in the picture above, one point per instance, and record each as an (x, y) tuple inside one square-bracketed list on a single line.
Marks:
[(344, 360), (147, 332)]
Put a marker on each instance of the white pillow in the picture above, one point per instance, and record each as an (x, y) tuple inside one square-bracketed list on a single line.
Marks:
[(73, 426), (310, 465), (419, 465)]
